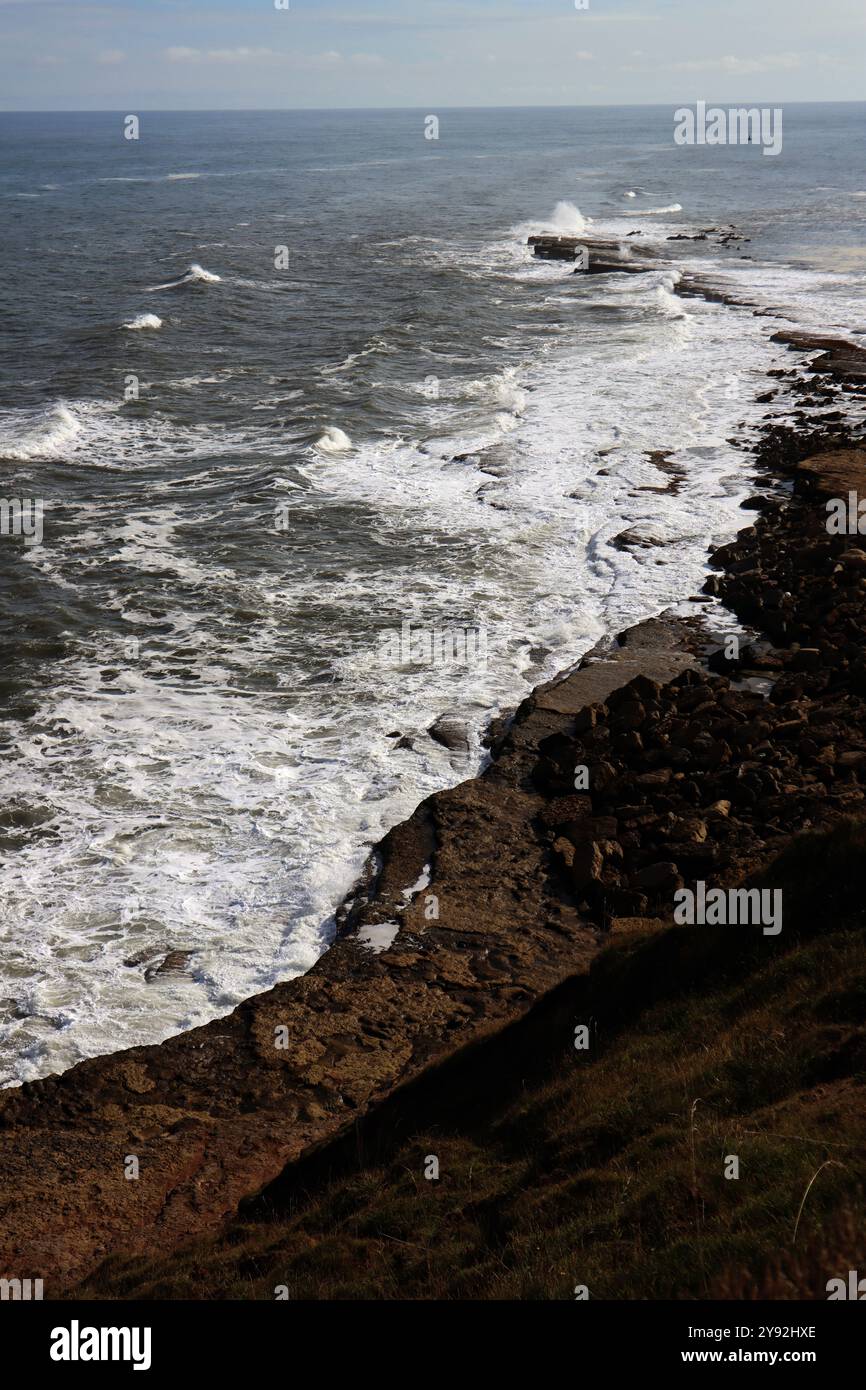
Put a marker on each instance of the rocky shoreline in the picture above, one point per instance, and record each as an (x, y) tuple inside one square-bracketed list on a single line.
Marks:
[(700, 764)]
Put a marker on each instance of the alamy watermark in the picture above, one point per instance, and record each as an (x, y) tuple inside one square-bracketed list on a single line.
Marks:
[(846, 517), (738, 125), (432, 646), (22, 516), (21, 1290), (77, 1343), (733, 907), (852, 1288)]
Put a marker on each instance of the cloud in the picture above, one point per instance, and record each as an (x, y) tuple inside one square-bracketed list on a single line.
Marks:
[(620, 18), (111, 55), (443, 14), (328, 61), (584, 56), (218, 55), (778, 62)]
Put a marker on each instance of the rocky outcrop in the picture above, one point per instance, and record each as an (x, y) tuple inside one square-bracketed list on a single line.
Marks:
[(597, 256), (844, 360)]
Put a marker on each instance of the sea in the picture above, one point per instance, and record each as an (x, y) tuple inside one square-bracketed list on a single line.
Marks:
[(284, 387)]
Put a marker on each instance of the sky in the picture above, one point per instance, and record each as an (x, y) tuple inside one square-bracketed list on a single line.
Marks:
[(132, 55)]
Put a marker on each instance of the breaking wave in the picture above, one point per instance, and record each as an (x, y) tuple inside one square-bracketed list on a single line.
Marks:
[(334, 441), (144, 321), (196, 274), (46, 435), (655, 212)]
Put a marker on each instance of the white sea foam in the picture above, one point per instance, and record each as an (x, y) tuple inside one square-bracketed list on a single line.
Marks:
[(503, 389), (334, 441), (144, 321), (376, 346), (378, 936), (106, 434)]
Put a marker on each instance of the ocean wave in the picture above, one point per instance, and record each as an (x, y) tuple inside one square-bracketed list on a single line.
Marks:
[(104, 434), (569, 220), (412, 240), (565, 220), (367, 164), (668, 303), (45, 435), (502, 390), (377, 345), (144, 321), (334, 441), (195, 274), (654, 212)]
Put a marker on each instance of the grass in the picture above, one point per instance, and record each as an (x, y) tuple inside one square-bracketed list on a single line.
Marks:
[(604, 1168)]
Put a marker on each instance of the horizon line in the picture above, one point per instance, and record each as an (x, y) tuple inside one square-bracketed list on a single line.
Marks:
[(523, 106)]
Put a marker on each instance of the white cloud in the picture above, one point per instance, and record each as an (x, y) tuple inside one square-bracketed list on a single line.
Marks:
[(778, 62), (583, 56), (218, 55), (620, 18), (328, 61), (111, 55)]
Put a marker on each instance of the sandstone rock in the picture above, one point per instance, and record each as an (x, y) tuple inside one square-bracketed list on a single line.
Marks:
[(592, 828), (612, 851), (565, 850), (658, 778), (691, 831), (587, 865), (566, 808), (602, 775), (451, 731), (174, 964), (626, 902), (587, 718), (629, 715), (658, 878), (647, 690), (834, 473)]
